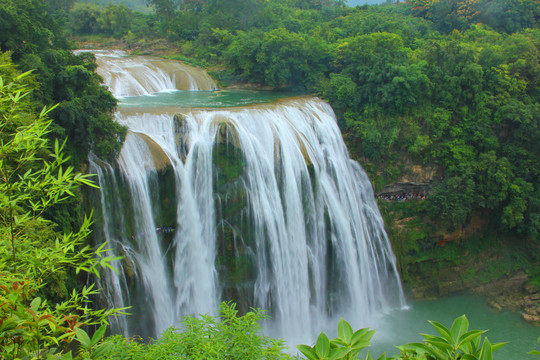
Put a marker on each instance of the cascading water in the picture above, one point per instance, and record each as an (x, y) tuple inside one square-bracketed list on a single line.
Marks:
[(137, 75), (259, 204)]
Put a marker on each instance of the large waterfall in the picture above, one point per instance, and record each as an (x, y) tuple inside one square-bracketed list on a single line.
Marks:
[(258, 204)]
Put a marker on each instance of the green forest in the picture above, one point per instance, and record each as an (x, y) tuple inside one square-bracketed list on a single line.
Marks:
[(446, 85)]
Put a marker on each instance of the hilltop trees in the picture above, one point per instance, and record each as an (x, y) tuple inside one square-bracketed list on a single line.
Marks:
[(113, 20), (502, 15), (37, 42)]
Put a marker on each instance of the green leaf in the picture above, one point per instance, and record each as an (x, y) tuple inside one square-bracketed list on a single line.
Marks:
[(102, 350), (340, 342), (98, 335), (443, 346), (360, 345), (486, 353), (469, 336), (338, 353), (308, 352), (322, 347), (345, 331), (34, 305), (442, 330), (362, 335), (417, 347), (83, 338), (497, 346), (459, 327), (67, 356)]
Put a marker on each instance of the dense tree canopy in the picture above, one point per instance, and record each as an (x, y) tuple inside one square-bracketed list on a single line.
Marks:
[(37, 42)]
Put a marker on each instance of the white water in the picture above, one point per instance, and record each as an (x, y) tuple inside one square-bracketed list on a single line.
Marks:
[(138, 75), (308, 225)]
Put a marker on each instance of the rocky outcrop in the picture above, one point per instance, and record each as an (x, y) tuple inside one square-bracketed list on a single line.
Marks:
[(406, 188), (514, 293), (161, 160), (416, 179)]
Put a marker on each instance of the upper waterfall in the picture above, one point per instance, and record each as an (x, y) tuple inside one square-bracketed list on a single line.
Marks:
[(136, 75)]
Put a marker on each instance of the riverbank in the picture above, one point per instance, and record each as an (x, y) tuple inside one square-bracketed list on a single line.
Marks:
[(436, 264), (515, 293), (471, 260), (405, 326), (436, 261)]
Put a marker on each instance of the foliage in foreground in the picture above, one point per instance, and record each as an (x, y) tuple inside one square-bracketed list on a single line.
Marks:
[(35, 260), (229, 336), (452, 344), (226, 336)]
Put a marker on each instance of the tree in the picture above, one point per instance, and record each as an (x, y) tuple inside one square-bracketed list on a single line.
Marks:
[(90, 18), (33, 256), (227, 336), (84, 18), (37, 42)]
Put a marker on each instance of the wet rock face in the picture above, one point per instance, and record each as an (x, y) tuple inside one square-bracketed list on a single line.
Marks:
[(161, 160)]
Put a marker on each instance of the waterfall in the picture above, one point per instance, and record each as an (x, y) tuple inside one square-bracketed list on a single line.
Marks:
[(138, 75), (257, 204)]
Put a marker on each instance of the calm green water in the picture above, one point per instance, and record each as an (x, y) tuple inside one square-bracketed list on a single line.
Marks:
[(404, 326), (195, 99)]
